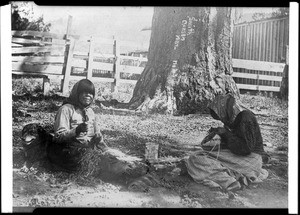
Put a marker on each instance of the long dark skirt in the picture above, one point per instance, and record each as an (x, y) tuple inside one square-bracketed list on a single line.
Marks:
[(73, 157), (66, 156)]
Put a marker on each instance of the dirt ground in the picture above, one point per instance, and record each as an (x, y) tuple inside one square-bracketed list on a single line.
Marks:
[(178, 136)]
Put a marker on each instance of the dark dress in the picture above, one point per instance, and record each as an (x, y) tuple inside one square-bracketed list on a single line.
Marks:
[(66, 156), (242, 132), (245, 136)]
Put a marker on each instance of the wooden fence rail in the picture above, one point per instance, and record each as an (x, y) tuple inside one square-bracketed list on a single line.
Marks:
[(74, 58), (275, 68)]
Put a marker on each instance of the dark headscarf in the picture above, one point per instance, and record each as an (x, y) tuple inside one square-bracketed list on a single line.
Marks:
[(226, 108), (83, 85)]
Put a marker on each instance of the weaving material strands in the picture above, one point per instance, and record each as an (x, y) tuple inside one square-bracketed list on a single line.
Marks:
[(111, 162)]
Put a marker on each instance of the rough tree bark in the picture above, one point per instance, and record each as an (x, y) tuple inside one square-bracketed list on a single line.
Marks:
[(189, 60)]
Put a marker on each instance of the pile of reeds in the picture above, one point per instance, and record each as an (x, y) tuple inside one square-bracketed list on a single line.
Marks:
[(112, 162)]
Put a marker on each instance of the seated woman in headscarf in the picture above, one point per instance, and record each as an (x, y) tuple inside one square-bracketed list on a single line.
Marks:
[(240, 154), (75, 127)]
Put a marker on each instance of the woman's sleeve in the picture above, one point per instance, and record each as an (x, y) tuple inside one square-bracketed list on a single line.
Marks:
[(236, 144), (242, 139), (97, 125), (62, 127)]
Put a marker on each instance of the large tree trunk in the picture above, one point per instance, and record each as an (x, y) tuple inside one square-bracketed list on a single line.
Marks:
[(189, 60)]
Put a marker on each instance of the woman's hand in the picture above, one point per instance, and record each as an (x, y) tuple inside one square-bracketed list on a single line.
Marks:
[(213, 144), (218, 130), (98, 137), (98, 140), (211, 134), (81, 128), (227, 128), (221, 130)]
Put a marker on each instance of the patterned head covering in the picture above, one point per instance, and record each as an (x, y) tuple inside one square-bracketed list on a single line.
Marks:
[(225, 108)]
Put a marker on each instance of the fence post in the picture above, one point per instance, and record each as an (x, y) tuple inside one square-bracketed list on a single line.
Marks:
[(284, 85), (46, 80), (68, 27), (287, 55), (66, 79), (90, 60), (257, 81), (46, 86), (114, 85)]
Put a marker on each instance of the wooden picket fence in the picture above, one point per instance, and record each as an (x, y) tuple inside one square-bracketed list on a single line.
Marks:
[(71, 57)]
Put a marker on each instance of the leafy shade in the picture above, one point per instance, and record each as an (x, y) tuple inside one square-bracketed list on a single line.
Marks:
[(277, 13), (22, 18)]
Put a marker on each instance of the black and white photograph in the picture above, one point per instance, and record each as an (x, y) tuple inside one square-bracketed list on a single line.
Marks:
[(149, 107)]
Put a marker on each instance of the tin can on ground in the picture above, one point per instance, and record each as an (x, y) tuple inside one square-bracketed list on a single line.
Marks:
[(151, 151)]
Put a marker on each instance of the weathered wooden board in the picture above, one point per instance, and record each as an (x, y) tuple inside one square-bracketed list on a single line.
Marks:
[(258, 65), (38, 59), (46, 69), (54, 50), (256, 87), (131, 69), (257, 77), (37, 34)]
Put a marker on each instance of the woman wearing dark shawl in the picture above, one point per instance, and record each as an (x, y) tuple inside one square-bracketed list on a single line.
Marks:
[(240, 155)]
